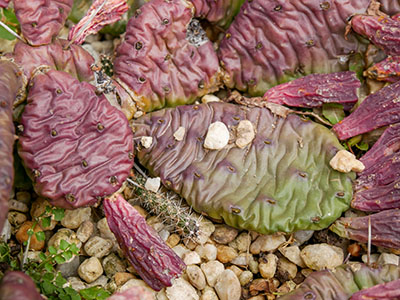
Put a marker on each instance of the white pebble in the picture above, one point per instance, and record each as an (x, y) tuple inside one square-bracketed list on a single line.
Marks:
[(344, 162), (245, 133), (179, 134), (388, 258), (98, 247), (217, 136), (153, 184), (85, 231), (212, 270), (322, 256), (90, 269), (207, 251), (146, 141), (196, 277), (292, 253), (266, 243), (181, 289), (210, 98), (268, 268), (228, 286), (191, 258), (73, 218)]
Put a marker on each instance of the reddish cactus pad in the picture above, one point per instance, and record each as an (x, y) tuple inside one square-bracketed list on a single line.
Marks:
[(133, 293), (390, 7), (17, 285), (77, 146), (386, 70), (75, 60), (390, 290), (316, 89), (41, 20), (4, 3), (385, 230), (155, 262), (272, 42), (383, 31), (166, 60), (377, 110)]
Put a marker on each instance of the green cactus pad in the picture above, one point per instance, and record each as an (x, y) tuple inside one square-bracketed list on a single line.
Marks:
[(281, 181)]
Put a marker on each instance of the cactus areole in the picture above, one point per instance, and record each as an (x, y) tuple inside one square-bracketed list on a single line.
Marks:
[(280, 181)]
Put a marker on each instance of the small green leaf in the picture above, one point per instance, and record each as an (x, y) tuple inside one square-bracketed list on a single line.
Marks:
[(67, 255), (46, 222), (49, 267), (40, 236), (333, 112), (48, 287), (48, 276), (42, 256), (58, 214), (59, 259), (354, 140), (94, 293), (60, 281), (10, 16), (48, 209), (64, 244), (363, 146), (74, 249), (52, 250), (30, 232), (4, 34)]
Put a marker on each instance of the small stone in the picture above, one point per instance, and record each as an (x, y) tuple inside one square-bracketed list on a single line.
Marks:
[(245, 277), (217, 136), (38, 210), (85, 231), (236, 270), (180, 250), (266, 243), (146, 141), (181, 289), (136, 282), (306, 272), (207, 252), (268, 268), (302, 236), (69, 268), (17, 206), (388, 258), (179, 134), (90, 269), (210, 98), (112, 265), (260, 297), (212, 270), (164, 234), (245, 133), (153, 184), (209, 294), (16, 218), (286, 287), (105, 231), (98, 247), (173, 240), (73, 218), (292, 253), (224, 234), (242, 242), (259, 285), (228, 286), (141, 210), (253, 266), (190, 243), (64, 234), (373, 258), (191, 258), (161, 295), (22, 236), (76, 283), (225, 253), (286, 270), (196, 277), (24, 197), (206, 228), (5, 234), (322, 256), (122, 277), (345, 161), (243, 259), (101, 282)]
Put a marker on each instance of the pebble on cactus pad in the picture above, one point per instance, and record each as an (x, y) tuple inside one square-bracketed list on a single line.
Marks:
[(76, 146)]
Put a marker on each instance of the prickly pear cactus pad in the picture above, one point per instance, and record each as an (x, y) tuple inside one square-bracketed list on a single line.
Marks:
[(41, 20), (219, 12), (166, 58), (276, 180), (271, 42), (4, 3), (390, 7), (77, 147)]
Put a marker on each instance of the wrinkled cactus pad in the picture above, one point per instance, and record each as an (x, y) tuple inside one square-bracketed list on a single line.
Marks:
[(390, 290), (316, 89), (41, 20), (77, 147), (218, 12), (386, 70), (378, 186), (342, 282), (17, 285), (4, 3), (280, 181), (390, 7), (165, 59), (272, 42), (11, 82), (384, 228), (75, 60), (133, 293), (377, 110), (154, 261)]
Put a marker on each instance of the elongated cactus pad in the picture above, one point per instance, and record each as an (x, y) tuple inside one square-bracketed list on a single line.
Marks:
[(133, 293), (271, 42), (10, 84), (390, 7), (316, 89), (75, 60), (378, 186), (384, 228), (279, 181), (390, 290), (77, 147), (17, 285), (217, 12), (155, 262), (386, 70), (377, 110), (166, 59), (342, 282), (382, 31), (4, 3), (41, 20)]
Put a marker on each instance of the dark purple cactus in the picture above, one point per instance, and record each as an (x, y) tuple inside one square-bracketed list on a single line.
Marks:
[(166, 58), (77, 147), (75, 60), (272, 42), (386, 70), (377, 110), (390, 7), (17, 285), (378, 186), (154, 261), (4, 3), (133, 293), (41, 20), (11, 82), (316, 89), (385, 229), (383, 291)]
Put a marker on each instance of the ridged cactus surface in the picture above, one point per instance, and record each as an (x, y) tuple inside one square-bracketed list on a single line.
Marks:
[(165, 59), (271, 42), (281, 181), (77, 147)]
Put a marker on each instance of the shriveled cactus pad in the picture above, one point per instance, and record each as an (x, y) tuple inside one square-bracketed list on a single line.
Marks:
[(280, 181), (166, 60), (77, 146)]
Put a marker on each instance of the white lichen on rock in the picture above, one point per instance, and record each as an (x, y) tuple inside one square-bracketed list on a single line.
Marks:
[(245, 133), (345, 162), (217, 136)]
